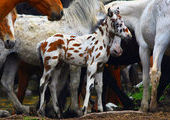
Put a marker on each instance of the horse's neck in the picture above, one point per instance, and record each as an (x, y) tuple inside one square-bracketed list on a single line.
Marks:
[(103, 33), (6, 6)]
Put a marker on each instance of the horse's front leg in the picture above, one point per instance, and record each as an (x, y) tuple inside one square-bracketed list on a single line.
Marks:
[(161, 44), (99, 89), (91, 70), (75, 73), (7, 80), (145, 59)]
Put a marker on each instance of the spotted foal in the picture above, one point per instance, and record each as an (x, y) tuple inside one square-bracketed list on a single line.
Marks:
[(92, 50)]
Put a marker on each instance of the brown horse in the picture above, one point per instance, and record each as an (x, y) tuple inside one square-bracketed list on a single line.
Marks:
[(52, 8)]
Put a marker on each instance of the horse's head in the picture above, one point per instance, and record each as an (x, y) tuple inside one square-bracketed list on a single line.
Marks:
[(52, 8), (116, 49), (7, 30), (117, 25)]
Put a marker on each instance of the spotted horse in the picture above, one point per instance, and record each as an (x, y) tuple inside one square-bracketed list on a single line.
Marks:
[(92, 50)]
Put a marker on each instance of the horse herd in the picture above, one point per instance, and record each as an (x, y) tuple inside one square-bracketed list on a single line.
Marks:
[(84, 35)]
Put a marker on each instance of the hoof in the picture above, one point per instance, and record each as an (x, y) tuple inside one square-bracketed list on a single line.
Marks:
[(73, 113), (153, 107), (40, 113), (84, 110), (143, 108), (4, 113)]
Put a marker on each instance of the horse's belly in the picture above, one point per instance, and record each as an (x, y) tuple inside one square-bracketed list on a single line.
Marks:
[(28, 53)]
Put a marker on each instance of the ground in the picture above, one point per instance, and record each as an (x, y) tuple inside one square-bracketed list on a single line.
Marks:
[(163, 114), (118, 115)]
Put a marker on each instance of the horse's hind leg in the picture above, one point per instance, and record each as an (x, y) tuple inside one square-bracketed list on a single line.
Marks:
[(7, 81), (161, 44), (44, 81), (54, 84), (75, 73)]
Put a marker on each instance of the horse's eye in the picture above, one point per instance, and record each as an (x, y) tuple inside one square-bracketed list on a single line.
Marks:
[(120, 25)]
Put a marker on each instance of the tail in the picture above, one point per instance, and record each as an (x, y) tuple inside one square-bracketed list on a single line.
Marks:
[(40, 56)]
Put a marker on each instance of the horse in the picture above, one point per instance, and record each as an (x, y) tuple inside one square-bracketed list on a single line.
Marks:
[(39, 28), (131, 11), (153, 35), (91, 50), (52, 8)]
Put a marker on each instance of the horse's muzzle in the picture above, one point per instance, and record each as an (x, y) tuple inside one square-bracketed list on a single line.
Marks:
[(9, 44), (56, 16)]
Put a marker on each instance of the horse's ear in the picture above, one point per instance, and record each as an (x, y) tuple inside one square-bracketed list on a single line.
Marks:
[(117, 11), (110, 13)]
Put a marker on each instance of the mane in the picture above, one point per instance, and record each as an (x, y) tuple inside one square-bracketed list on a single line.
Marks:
[(83, 12), (98, 24)]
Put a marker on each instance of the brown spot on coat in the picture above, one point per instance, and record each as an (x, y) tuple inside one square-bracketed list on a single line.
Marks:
[(79, 48), (58, 35), (54, 45), (89, 37), (76, 51), (92, 60), (96, 49), (96, 42), (46, 66), (81, 54), (101, 30), (76, 44), (108, 50), (71, 49), (101, 47), (93, 38), (98, 55), (125, 30), (69, 54), (54, 57), (43, 46), (72, 36)]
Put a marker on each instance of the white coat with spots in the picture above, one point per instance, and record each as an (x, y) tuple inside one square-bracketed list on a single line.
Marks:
[(92, 50)]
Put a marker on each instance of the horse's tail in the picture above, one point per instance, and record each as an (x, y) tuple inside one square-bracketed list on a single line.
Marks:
[(40, 56)]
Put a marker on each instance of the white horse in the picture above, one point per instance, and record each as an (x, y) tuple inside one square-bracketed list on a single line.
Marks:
[(154, 34), (131, 11), (30, 30)]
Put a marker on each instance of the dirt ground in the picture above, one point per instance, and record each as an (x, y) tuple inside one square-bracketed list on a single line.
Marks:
[(114, 115)]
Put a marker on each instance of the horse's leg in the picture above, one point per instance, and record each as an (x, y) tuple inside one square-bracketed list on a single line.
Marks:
[(91, 70), (23, 75), (99, 88), (161, 44), (7, 80), (43, 86), (145, 60), (54, 84), (75, 73), (44, 81)]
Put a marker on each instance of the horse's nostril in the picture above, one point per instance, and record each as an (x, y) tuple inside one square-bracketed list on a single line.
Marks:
[(62, 13), (9, 44), (115, 51), (7, 41)]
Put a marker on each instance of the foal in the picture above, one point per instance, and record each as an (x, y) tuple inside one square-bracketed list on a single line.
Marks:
[(92, 50)]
